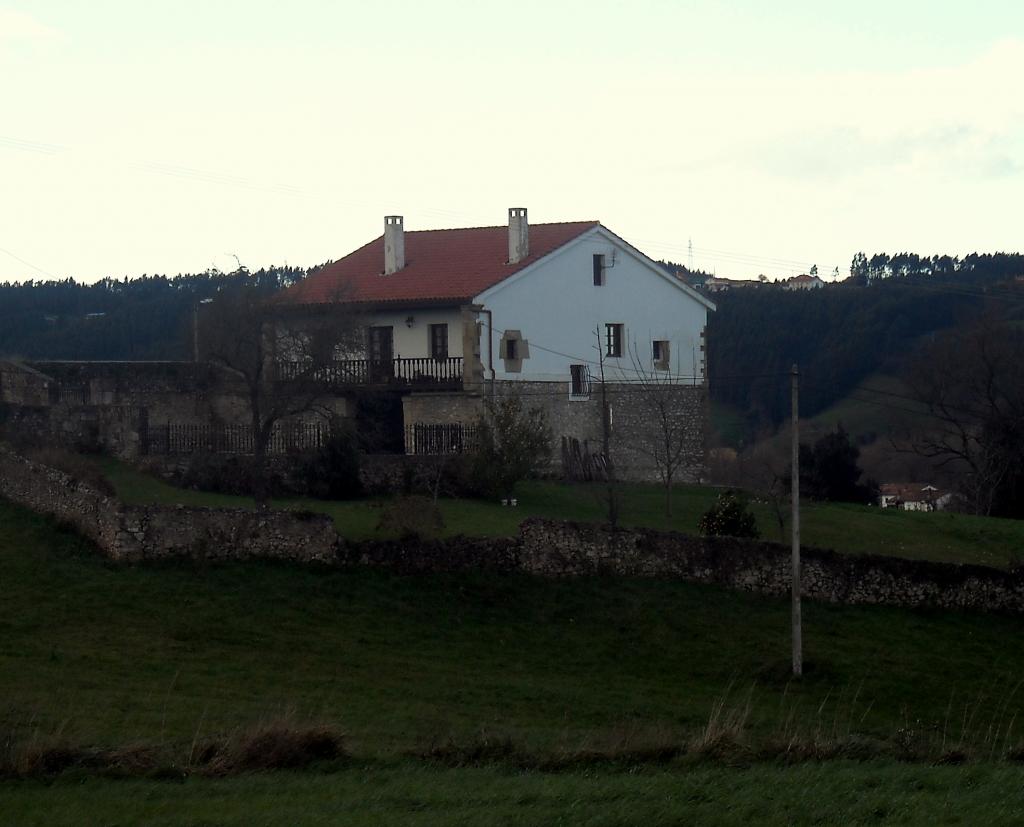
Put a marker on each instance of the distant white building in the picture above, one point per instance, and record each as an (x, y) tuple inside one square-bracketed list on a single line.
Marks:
[(719, 285), (913, 496), (803, 282)]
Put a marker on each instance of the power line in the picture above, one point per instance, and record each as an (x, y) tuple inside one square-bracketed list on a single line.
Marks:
[(29, 264)]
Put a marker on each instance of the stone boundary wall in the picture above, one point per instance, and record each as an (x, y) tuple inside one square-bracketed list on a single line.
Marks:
[(562, 549), (152, 532), (543, 547)]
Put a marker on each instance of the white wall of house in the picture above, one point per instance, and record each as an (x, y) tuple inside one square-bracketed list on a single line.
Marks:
[(414, 342), (556, 306)]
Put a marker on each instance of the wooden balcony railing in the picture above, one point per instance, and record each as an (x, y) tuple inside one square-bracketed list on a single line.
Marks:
[(425, 372)]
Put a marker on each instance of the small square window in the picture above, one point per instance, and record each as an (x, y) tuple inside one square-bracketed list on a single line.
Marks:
[(613, 340)]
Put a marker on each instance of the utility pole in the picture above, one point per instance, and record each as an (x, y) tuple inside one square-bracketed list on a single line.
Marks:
[(798, 646), (606, 432), (195, 331)]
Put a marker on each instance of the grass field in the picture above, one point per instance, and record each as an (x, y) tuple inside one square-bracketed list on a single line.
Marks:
[(835, 793), (93, 653), (848, 528)]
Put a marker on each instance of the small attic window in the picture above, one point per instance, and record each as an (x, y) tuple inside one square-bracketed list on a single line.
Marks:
[(599, 269), (512, 350)]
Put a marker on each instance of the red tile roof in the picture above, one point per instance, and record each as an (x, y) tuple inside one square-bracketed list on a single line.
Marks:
[(440, 265)]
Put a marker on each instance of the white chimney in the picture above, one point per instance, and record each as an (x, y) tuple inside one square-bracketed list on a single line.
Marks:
[(394, 244), (518, 235)]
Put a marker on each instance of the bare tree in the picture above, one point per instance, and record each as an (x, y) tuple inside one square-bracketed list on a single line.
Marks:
[(280, 356), (972, 386), (670, 441), (769, 477)]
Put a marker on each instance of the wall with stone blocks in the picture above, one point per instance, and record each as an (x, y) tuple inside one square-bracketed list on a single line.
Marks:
[(636, 436), (543, 547), (134, 533), (561, 549)]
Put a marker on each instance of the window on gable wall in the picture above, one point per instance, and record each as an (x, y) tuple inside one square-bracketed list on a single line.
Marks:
[(598, 269), (659, 352), (613, 340), (579, 385), (439, 341)]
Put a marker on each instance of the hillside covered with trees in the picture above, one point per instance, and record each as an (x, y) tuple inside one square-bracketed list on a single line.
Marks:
[(843, 333), (148, 318), (838, 335)]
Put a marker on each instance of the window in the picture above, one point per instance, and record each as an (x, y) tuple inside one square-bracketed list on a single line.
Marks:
[(439, 341), (613, 340), (579, 385), (513, 348), (659, 353), (598, 269), (381, 344)]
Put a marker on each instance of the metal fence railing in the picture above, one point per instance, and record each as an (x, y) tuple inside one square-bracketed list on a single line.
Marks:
[(428, 371), (186, 438), (449, 438)]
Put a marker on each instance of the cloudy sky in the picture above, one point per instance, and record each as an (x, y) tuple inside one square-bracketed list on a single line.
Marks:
[(170, 137)]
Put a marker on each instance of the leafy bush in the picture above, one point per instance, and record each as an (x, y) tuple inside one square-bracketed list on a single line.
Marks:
[(513, 443), (332, 472), (729, 517), (225, 474)]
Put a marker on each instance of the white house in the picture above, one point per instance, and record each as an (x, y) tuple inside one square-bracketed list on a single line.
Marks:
[(803, 282), (455, 315)]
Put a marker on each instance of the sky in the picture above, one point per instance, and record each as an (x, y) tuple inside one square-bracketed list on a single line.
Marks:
[(160, 137)]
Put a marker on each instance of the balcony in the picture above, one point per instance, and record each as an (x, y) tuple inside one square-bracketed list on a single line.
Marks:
[(424, 373)]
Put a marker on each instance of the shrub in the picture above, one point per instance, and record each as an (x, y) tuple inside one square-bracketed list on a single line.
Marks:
[(513, 443), (729, 517), (225, 474), (332, 472)]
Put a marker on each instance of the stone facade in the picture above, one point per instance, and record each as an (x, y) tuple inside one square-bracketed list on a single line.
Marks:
[(120, 408), (112, 406), (442, 408), (635, 435)]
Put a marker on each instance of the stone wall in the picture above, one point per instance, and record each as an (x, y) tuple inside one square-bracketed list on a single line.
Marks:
[(113, 406), (635, 431), (561, 549), (22, 385), (543, 547), (441, 408), (133, 533), (110, 405)]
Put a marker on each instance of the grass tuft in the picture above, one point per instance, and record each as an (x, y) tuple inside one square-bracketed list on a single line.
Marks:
[(272, 745)]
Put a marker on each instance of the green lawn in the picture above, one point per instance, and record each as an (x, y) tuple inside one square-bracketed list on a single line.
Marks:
[(110, 654), (837, 793), (97, 653), (848, 528)]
